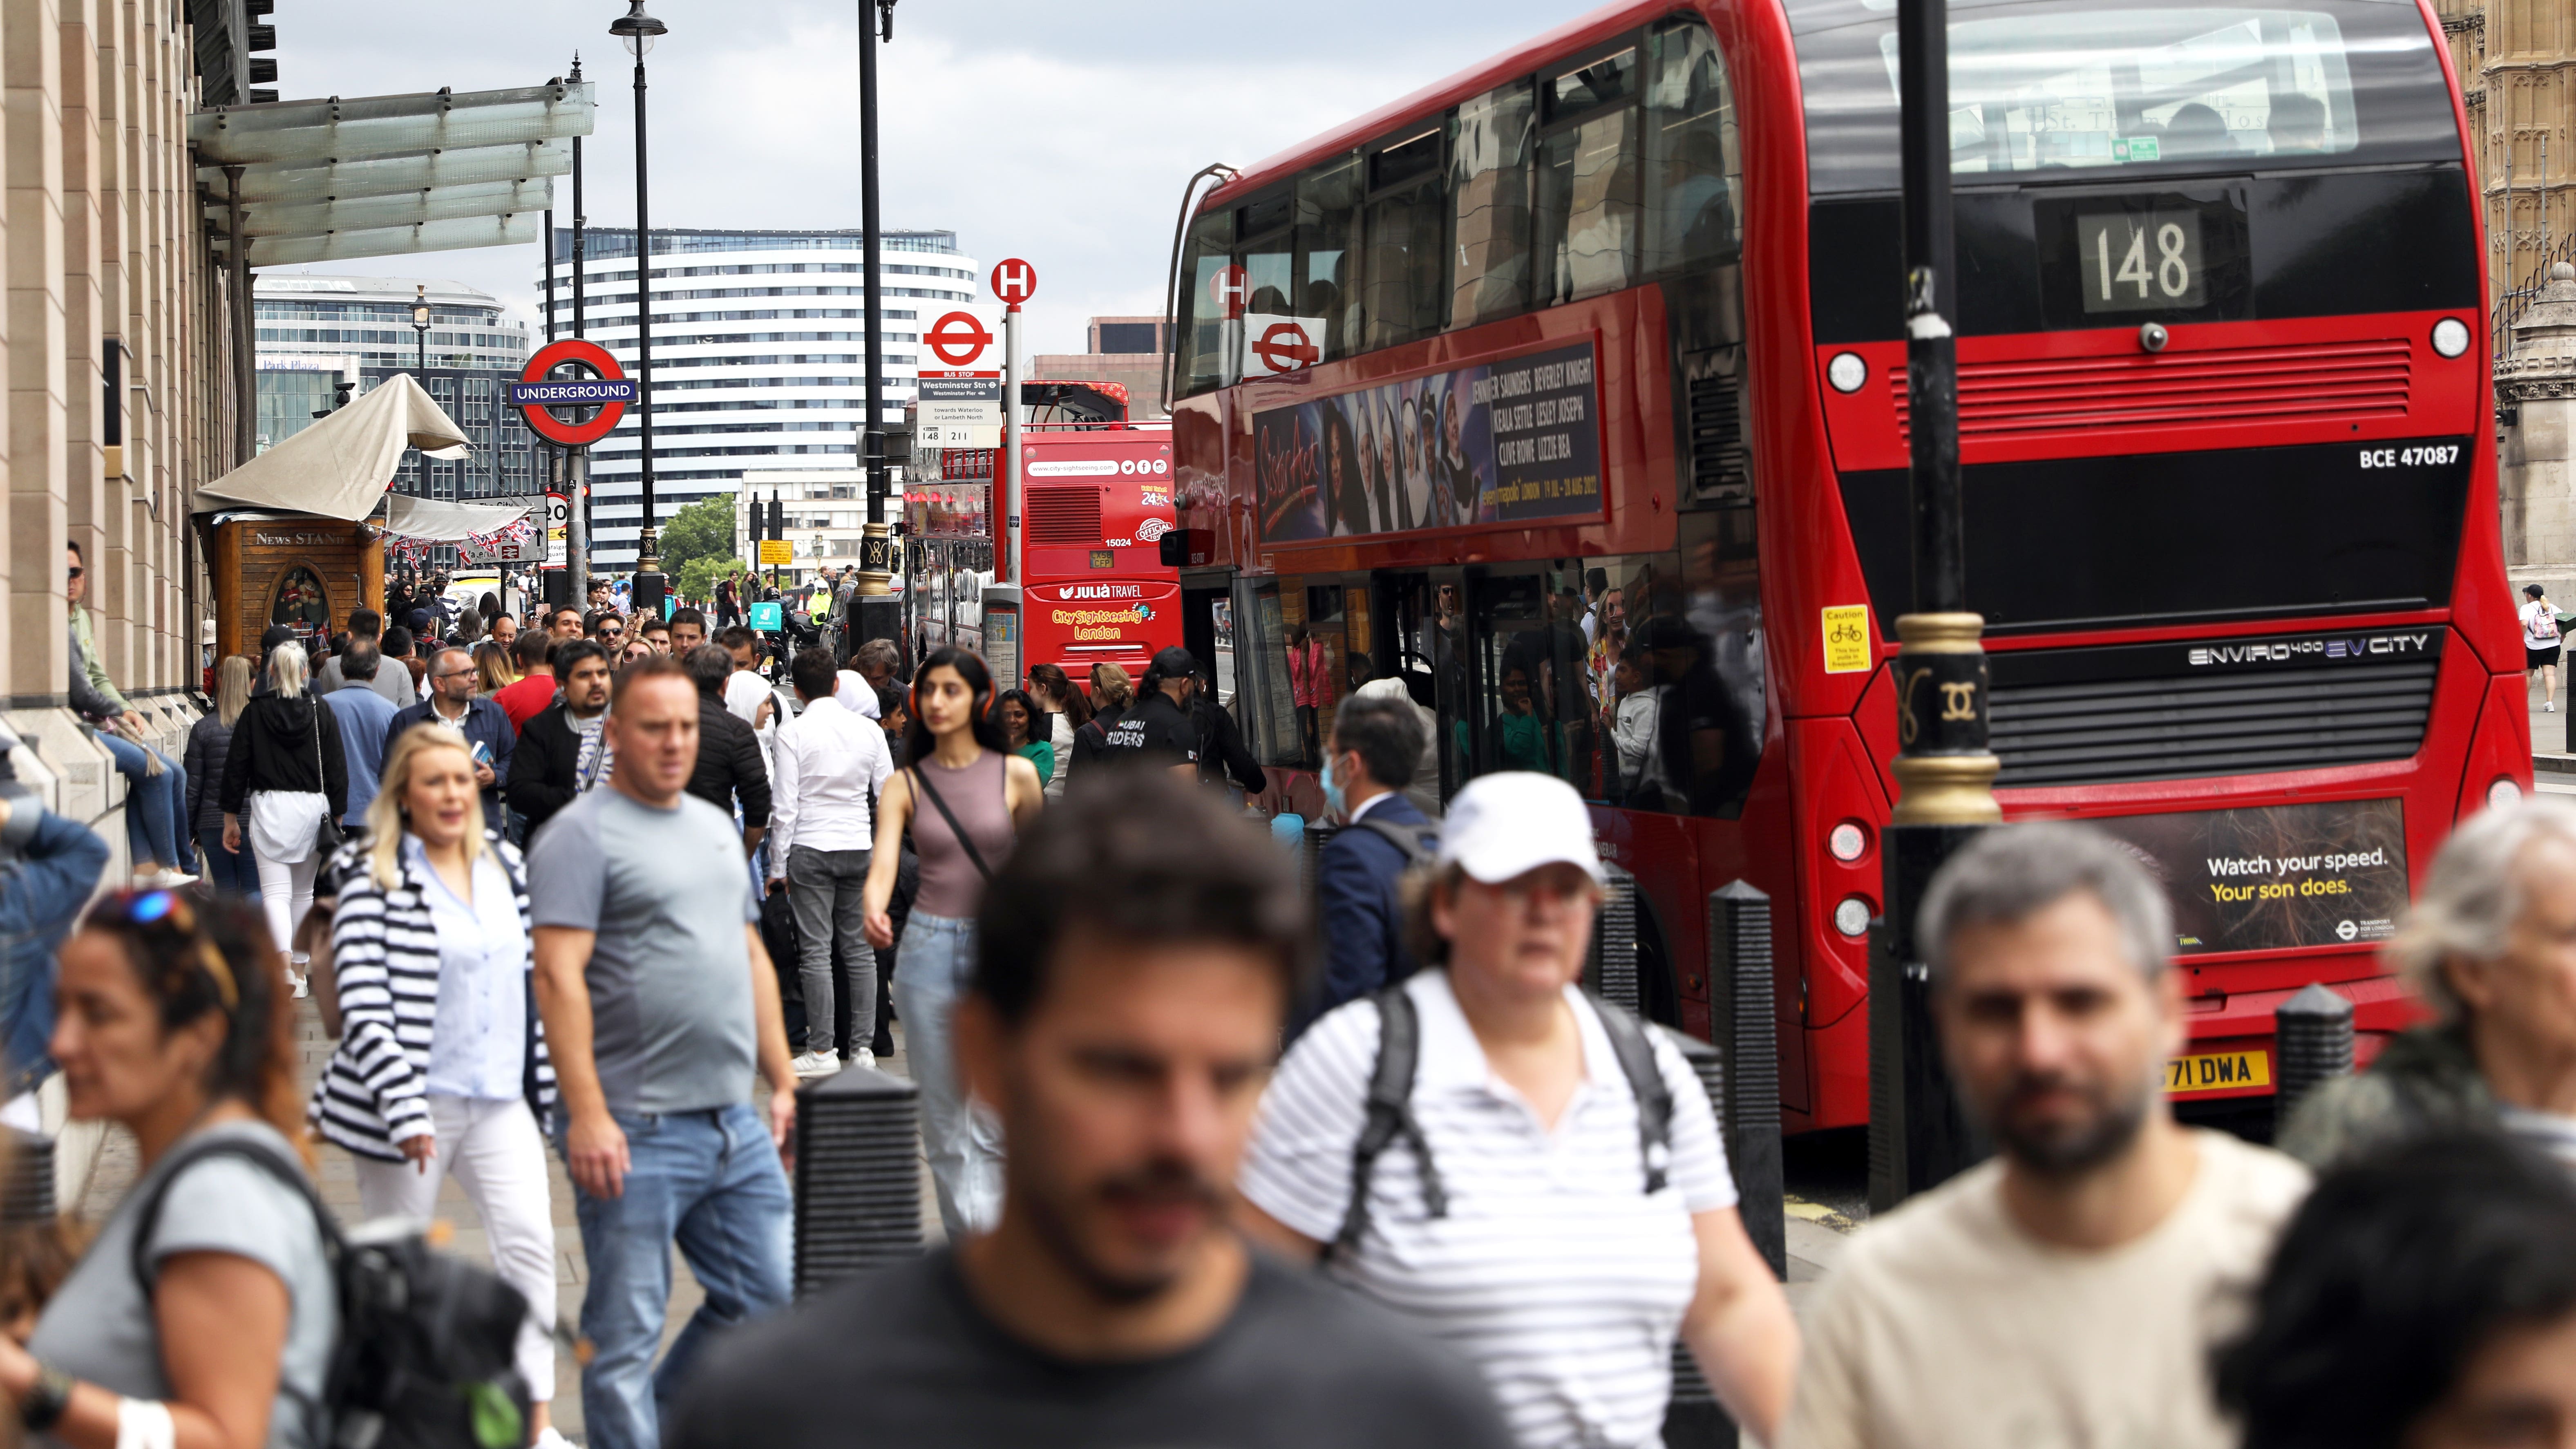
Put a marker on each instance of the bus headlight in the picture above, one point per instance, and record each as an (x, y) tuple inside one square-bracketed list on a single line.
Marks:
[(1847, 841), (2503, 792), (1852, 917), (1848, 373), (2450, 337)]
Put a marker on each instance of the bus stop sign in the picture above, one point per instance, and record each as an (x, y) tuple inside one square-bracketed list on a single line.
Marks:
[(608, 389), (1014, 281)]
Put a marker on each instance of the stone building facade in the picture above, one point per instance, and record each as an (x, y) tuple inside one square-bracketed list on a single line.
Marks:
[(118, 371)]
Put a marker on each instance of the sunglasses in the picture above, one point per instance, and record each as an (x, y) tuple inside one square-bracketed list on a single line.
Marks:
[(168, 912), (75, 573)]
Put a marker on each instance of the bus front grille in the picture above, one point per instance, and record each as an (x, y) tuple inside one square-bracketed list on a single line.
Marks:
[(2218, 385), (2105, 731)]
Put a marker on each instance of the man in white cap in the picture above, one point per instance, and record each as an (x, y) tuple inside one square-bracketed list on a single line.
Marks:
[(1524, 1172)]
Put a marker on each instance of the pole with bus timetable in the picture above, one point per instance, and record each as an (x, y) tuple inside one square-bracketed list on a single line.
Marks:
[(1011, 438), (1919, 1136)]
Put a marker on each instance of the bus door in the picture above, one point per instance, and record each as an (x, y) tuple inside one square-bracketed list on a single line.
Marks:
[(1411, 639), (1206, 610)]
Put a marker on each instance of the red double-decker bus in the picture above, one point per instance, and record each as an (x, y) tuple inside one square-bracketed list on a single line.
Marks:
[(1570, 391), (1097, 500)]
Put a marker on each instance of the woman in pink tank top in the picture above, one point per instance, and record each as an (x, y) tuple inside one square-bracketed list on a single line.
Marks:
[(965, 797)]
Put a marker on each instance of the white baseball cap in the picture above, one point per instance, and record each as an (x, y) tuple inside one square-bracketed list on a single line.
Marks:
[(1512, 822)]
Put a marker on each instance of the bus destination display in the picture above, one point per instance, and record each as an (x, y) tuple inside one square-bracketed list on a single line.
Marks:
[(1511, 441), (2276, 876)]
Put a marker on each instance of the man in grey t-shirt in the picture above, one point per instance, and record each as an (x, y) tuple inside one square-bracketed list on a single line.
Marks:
[(658, 1003)]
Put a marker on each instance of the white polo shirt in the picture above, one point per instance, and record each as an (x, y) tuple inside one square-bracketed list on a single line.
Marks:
[(1553, 1272)]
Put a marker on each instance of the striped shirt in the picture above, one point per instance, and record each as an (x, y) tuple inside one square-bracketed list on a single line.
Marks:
[(1553, 1272)]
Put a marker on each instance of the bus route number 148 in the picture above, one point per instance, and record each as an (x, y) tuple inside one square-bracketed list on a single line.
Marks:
[(2425, 457)]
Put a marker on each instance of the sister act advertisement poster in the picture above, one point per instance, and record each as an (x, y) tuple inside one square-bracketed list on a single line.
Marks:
[(1514, 440)]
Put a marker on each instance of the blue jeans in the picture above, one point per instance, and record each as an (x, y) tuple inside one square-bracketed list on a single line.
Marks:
[(931, 968), (227, 873), (153, 805), (711, 1181), (40, 893)]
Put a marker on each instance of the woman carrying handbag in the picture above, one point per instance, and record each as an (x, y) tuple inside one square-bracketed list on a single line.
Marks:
[(286, 773), (964, 797)]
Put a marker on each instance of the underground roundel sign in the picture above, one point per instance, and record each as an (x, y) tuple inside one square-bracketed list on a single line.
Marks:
[(600, 388)]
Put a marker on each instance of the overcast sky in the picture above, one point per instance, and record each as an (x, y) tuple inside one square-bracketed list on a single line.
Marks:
[(1058, 132)]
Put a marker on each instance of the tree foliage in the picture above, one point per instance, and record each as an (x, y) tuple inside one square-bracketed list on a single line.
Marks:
[(697, 578), (703, 530)]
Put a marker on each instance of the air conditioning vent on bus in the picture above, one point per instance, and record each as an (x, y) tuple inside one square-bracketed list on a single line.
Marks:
[(1065, 515), (2177, 727), (1719, 469), (2036, 397)]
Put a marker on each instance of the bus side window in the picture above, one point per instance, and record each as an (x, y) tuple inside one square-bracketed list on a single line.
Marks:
[(1206, 360), (1697, 168), (1589, 180), (1328, 207), (1406, 232), (1489, 182)]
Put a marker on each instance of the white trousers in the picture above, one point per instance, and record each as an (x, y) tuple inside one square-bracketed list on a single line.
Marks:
[(287, 892), (499, 1158)]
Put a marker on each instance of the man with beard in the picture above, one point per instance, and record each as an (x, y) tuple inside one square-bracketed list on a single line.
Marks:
[(2070, 1290), (1135, 961)]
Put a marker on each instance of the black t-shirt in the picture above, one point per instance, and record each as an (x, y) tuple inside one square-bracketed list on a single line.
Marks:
[(1155, 730), (903, 1358)]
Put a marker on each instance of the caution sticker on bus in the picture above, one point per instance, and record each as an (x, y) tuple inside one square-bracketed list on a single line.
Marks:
[(2218, 1072)]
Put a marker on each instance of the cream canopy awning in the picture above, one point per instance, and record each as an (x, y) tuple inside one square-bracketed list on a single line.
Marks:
[(341, 466), (434, 522)]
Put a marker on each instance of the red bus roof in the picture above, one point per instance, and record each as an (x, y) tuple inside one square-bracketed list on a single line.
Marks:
[(1520, 60)]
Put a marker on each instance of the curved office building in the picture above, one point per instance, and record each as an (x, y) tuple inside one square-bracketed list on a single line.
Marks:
[(759, 357)]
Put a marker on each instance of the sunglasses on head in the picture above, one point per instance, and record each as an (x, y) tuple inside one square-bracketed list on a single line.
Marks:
[(168, 911)]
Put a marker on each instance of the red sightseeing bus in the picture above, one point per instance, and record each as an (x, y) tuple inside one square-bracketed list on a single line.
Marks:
[(1571, 392)]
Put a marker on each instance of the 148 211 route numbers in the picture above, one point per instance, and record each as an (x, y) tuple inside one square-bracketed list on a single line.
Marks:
[(2431, 456)]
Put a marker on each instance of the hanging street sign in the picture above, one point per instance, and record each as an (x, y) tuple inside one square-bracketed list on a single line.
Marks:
[(607, 390)]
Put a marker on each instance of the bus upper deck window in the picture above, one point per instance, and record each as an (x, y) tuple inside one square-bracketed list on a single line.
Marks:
[(1328, 206), (1590, 184), (1406, 275), (1697, 169), (1206, 360), (1489, 184)]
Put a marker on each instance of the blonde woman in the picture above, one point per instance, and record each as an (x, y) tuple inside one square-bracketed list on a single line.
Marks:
[(210, 744), (493, 669), (285, 775), (442, 1066)]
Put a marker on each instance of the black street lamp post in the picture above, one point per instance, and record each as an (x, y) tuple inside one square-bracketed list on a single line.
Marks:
[(1945, 773), (874, 612), (637, 31)]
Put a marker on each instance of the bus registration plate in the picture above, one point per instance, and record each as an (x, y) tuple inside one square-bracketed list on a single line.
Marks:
[(2218, 1072)]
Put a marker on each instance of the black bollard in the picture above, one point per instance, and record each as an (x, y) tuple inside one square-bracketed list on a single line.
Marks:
[(858, 1175), (1693, 1418), (1611, 972), (28, 1194), (2312, 1041), (1744, 1023)]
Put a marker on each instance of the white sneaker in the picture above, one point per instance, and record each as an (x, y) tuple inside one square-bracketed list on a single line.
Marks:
[(550, 1438), (815, 1064), (164, 879), (2549, 707), (297, 980), (861, 1058)]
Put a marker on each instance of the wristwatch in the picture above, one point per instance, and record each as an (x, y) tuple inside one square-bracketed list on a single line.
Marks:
[(46, 1399)]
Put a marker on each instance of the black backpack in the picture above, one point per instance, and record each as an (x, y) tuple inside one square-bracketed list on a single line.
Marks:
[(424, 1358), (1390, 1108)]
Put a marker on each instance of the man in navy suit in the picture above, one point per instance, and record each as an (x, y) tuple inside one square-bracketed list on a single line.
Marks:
[(1375, 745)]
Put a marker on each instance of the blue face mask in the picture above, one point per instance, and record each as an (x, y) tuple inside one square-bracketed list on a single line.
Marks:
[(1332, 789)]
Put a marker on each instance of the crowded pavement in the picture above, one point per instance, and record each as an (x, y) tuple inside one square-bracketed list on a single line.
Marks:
[(1827, 724)]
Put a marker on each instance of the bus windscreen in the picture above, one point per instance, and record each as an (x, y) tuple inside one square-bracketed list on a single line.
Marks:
[(2047, 87)]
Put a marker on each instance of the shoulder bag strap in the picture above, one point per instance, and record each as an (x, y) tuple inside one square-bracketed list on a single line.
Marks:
[(147, 1218), (1389, 1120), (922, 784), (1646, 1083), (1406, 838)]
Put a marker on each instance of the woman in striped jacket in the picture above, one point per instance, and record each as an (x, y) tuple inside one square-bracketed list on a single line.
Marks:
[(442, 1060)]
